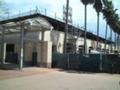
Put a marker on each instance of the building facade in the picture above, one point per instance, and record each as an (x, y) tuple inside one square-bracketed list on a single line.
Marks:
[(41, 37)]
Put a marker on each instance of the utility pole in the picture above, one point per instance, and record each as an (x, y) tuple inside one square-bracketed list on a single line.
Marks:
[(66, 27)]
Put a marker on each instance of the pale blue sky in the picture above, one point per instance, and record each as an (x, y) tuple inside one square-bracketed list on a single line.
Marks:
[(56, 6)]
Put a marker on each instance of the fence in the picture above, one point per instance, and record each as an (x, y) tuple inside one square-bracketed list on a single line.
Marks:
[(91, 62)]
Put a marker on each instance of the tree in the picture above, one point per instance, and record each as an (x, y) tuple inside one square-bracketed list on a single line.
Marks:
[(111, 16), (106, 36), (98, 7), (86, 2)]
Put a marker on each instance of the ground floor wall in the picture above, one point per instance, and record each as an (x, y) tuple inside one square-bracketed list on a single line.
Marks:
[(39, 52), (44, 54)]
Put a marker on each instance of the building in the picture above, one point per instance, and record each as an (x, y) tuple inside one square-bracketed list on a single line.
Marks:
[(34, 37)]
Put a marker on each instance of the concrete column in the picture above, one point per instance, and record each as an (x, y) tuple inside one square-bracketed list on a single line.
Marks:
[(21, 46), (42, 48), (45, 54), (3, 46)]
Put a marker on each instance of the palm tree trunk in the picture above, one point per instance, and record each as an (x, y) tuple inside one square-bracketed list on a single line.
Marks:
[(115, 41), (85, 33), (106, 36), (98, 14), (111, 40), (118, 43)]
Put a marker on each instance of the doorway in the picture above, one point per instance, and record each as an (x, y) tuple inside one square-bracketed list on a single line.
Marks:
[(11, 56)]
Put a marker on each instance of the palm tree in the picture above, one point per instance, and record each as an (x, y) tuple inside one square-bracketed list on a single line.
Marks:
[(110, 40), (111, 17), (98, 8), (106, 36), (86, 2)]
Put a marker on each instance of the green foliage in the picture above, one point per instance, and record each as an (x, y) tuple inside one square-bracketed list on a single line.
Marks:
[(111, 16)]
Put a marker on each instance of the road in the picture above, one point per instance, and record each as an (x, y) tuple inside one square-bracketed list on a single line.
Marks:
[(63, 80)]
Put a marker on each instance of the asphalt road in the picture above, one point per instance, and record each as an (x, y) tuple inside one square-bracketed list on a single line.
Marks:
[(62, 80)]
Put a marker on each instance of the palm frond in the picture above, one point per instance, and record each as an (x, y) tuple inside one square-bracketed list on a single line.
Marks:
[(86, 2), (98, 5)]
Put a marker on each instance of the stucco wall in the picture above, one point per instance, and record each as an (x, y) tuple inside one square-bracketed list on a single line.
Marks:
[(44, 54), (57, 38)]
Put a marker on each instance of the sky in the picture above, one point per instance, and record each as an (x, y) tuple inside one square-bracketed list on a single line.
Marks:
[(56, 6)]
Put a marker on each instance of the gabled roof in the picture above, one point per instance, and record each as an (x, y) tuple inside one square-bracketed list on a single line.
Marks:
[(37, 23)]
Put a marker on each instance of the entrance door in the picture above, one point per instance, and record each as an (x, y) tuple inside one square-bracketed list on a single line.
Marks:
[(11, 56), (10, 48)]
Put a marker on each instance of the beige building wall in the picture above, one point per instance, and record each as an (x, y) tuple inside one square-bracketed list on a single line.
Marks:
[(57, 39), (88, 44), (30, 44), (44, 54), (28, 51), (102, 45), (79, 42), (46, 35)]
